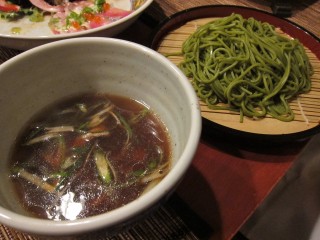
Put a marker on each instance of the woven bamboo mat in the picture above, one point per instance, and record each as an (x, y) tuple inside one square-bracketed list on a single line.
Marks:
[(172, 221), (305, 107)]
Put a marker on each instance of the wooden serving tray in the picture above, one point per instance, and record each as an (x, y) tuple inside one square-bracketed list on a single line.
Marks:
[(306, 107)]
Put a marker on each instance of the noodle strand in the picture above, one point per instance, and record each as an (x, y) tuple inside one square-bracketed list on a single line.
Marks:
[(245, 65)]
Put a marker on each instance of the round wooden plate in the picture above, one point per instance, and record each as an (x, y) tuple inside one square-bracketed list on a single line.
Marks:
[(172, 32)]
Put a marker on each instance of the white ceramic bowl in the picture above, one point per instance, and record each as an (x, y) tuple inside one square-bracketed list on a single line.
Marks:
[(53, 71), (39, 33)]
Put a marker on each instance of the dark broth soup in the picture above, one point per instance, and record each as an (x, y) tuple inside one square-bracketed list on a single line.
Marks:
[(87, 155)]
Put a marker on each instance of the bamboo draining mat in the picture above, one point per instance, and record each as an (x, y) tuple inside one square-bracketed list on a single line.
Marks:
[(306, 107)]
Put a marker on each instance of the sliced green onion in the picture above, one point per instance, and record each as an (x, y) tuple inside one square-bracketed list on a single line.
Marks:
[(126, 126), (158, 173), (152, 164), (68, 162), (103, 166), (138, 172), (42, 138), (36, 15), (36, 180), (99, 4), (140, 115), (59, 129), (82, 107)]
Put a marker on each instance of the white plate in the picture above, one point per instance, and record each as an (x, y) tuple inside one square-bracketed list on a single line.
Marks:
[(35, 34)]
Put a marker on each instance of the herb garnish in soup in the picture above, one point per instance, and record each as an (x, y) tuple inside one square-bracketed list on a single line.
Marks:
[(88, 154)]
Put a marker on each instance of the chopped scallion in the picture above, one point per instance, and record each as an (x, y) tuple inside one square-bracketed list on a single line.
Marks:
[(103, 166)]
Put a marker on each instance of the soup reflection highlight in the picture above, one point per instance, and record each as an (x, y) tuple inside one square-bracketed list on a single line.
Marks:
[(87, 155)]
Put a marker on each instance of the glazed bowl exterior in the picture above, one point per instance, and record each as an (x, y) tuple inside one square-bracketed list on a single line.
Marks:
[(42, 75)]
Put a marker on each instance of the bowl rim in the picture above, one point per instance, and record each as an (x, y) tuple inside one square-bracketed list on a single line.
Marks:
[(125, 19), (124, 213)]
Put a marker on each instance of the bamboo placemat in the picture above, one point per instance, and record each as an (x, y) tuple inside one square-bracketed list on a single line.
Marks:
[(7, 53), (305, 107), (172, 221)]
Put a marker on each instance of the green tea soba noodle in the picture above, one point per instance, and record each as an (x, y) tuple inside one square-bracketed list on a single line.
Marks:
[(245, 65)]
